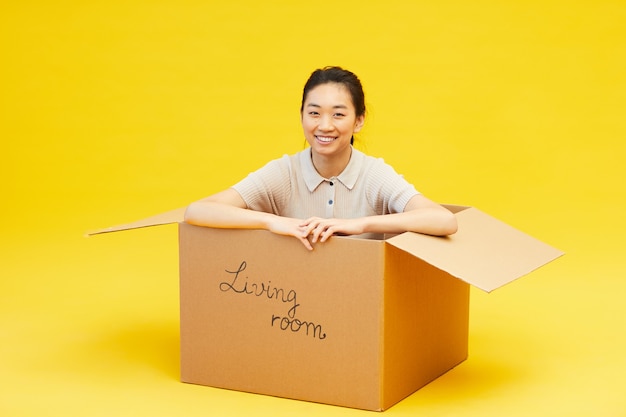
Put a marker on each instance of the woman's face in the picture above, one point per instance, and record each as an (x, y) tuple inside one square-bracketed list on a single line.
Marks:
[(329, 119)]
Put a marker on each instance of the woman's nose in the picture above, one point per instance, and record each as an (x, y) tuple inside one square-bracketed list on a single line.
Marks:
[(326, 123)]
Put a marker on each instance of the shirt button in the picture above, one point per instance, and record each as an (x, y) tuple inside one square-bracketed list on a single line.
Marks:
[(330, 202), (332, 183)]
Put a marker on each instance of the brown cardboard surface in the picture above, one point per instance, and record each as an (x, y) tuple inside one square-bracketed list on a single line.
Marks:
[(168, 217), (260, 314), (426, 323), (485, 252)]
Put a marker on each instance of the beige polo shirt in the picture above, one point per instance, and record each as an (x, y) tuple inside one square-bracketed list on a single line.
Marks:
[(292, 187)]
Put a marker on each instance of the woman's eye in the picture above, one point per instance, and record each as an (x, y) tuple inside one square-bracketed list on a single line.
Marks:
[(339, 115)]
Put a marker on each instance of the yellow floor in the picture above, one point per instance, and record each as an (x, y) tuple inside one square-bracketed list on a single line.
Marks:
[(114, 111)]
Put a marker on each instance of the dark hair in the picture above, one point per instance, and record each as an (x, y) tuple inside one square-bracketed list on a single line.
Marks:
[(341, 76)]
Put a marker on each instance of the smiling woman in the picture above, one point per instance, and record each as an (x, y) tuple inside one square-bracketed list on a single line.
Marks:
[(329, 123), (330, 187)]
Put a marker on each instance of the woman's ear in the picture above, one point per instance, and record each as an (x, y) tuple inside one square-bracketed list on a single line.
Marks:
[(359, 123)]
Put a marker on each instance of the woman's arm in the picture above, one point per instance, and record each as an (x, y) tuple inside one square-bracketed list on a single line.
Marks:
[(227, 210), (420, 215)]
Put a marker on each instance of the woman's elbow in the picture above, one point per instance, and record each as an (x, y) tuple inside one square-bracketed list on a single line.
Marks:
[(449, 224), (191, 213), (446, 224)]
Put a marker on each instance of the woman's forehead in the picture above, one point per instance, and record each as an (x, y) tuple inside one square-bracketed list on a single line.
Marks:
[(329, 94)]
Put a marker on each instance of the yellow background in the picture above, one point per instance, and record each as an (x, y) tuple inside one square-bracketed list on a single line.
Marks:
[(116, 110)]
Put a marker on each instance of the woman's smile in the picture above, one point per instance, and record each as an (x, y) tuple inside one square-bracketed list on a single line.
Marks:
[(325, 139)]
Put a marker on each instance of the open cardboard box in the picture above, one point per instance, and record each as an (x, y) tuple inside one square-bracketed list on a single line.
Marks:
[(356, 323)]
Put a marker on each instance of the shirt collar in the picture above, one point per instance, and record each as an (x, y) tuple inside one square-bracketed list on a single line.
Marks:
[(347, 177)]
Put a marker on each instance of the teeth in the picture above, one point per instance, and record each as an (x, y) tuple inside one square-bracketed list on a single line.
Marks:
[(325, 138)]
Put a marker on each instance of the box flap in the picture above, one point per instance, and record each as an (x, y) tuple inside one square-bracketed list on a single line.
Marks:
[(172, 216), (485, 252)]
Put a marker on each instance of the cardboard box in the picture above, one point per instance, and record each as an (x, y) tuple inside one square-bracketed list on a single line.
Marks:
[(355, 323)]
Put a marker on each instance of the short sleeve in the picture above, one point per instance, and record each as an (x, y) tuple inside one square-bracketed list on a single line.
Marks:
[(387, 191), (268, 188)]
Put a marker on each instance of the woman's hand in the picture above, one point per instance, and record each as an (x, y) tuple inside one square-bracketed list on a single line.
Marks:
[(321, 229), (290, 227)]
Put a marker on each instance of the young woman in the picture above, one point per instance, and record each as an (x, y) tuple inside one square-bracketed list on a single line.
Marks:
[(330, 187)]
